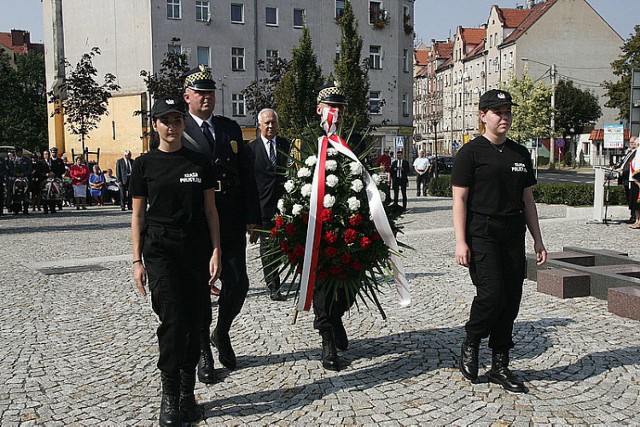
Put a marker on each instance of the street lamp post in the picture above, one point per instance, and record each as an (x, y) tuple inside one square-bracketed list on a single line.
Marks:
[(435, 145), (552, 73)]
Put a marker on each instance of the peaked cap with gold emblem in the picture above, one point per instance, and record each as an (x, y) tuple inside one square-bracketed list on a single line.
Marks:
[(199, 78), (331, 93)]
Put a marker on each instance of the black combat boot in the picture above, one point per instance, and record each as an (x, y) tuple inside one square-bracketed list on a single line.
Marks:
[(340, 335), (190, 412), (469, 359), (169, 406), (500, 373), (206, 373), (329, 354), (221, 340)]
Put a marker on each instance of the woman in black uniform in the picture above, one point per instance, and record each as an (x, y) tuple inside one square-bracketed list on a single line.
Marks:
[(492, 207), (176, 245)]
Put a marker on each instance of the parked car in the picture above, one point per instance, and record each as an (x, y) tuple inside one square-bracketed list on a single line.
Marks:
[(445, 165)]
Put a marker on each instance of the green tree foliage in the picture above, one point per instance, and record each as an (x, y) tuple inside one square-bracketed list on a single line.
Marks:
[(260, 93), (575, 108), (23, 101), (532, 115), (295, 93), (83, 100), (352, 73), (619, 92), (167, 82)]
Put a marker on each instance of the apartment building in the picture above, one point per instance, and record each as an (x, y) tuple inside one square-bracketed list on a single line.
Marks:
[(230, 37)]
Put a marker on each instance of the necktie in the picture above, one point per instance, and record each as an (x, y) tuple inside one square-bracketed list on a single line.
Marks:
[(128, 168), (206, 129), (399, 169), (272, 153)]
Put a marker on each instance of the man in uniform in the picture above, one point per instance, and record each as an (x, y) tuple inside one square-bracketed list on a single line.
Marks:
[(20, 166), (58, 168), (221, 140), (269, 162)]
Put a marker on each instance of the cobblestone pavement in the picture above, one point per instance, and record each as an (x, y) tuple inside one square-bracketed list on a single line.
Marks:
[(80, 348)]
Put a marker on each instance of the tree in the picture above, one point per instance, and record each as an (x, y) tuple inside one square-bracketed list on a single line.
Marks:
[(167, 82), (352, 73), (575, 108), (260, 94), (83, 100), (532, 115), (619, 93), (23, 101), (295, 93)]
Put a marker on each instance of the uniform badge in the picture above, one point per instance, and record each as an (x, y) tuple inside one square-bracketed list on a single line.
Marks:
[(234, 146)]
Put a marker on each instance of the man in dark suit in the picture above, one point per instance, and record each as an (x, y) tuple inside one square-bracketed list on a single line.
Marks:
[(399, 172), (220, 139), (269, 154), (123, 173)]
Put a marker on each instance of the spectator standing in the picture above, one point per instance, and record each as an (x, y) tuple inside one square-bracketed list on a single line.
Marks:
[(399, 172), (3, 174), (123, 173), (624, 177), (269, 162), (422, 166)]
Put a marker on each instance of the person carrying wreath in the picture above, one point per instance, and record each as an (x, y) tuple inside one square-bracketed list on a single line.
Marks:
[(175, 234), (493, 204)]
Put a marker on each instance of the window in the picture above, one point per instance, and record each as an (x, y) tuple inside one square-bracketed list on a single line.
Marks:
[(405, 104), (237, 13), (271, 16), (174, 9), (374, 102), (202, 10), (339, 8), (237, 58), (272, 56), (298, 18), (203, 55), (174, 48), (375, 58), (237, 104), (405, 60), (375, 11), (490, 40)]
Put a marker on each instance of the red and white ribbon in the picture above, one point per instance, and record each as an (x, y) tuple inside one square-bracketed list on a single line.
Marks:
[(314, 227)]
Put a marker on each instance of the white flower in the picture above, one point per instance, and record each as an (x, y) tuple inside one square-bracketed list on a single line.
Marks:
[(331, 165), (304, 172), (306, 190), (281, 206), (376, 178), (354, 203), (357, 185), (295, 211), (332, 152), (332, 180), (289, 186), (311, 160), (328, 201), (356, 168), (383, 196)]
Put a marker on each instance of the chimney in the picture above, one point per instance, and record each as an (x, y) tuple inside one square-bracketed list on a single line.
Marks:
[(531, 3)]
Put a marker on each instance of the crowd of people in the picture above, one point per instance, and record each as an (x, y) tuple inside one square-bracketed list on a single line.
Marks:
[(46, 182)]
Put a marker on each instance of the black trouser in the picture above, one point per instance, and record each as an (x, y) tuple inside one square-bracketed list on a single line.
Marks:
[(125, 196), (271, 276), (400, 185), (329, 306), (422, 181), (177, 264), (633, 197), (1, 195), (497, 270), (235, 282)]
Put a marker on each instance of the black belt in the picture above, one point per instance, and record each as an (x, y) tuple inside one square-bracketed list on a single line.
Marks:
[(225, 184)]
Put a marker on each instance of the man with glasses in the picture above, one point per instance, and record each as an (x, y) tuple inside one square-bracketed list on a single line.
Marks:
[(220, 138)]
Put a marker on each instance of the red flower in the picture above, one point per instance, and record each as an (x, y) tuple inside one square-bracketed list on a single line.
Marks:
[(376, 236), (298, 250), (292, 258), (305, 218), (290, 229), (345, 258), (326, 215), (355, 220), (330, 252), (279, 221), (323, 275), (355, 265), (350, 235), (274, 232), (330, 237), (342, 276), (284, 246), (335, 269), (365, 242)]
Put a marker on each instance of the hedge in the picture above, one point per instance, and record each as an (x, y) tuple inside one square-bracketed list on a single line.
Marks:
[(549, 193)]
